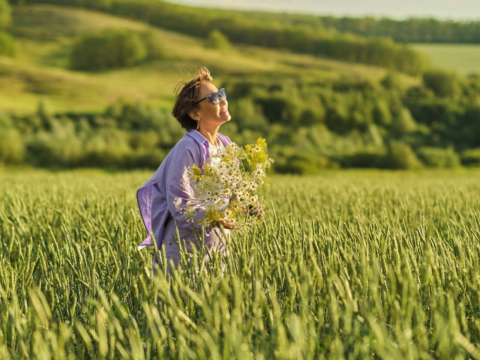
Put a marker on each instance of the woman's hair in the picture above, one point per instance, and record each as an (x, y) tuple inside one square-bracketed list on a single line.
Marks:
[(187, 96)]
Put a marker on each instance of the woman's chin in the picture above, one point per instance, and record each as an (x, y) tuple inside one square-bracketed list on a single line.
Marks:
[(226, 117)]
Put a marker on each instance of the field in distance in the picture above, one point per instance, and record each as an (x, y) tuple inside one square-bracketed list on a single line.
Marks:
[(462, 58)]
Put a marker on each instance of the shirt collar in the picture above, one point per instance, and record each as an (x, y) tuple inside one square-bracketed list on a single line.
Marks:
[(200, 138), (196, 135)]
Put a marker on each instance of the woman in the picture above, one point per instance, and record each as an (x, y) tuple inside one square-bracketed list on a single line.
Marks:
[(201, 109)]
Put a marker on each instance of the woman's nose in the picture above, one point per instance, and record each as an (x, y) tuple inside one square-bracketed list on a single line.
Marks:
[(222, 101)]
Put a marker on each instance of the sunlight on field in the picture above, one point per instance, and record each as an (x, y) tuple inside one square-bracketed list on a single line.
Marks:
[(365, 263), (462, 58)]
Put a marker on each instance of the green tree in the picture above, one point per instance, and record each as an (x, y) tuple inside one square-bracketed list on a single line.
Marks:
[(442, 83), (280, 108), (391, 81), (5, 14), (248, 115), (12, 149), (401, 156), (404, 123), (113, 48), (471, 157), (217, 40), (381, 113), (7, 46), (438, 157), (59, 146), (153, 45)]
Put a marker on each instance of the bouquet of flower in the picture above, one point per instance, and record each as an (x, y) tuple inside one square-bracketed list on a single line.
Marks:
[(227, 189)]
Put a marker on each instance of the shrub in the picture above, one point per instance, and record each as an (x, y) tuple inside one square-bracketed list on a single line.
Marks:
[(365, 159), (338, 116), (442, 83), (467, 127), (404, 123), (391, 81), (470, 157), (7, 46), (110, 49), (143, 140), (153, 45), (438, 157), (58, 147), (313, 112), (305, 164), (12, 150), (401, 156), (381, 113), (147, 158), (5, 14), (248, 115), (216, 40), (279, 108)]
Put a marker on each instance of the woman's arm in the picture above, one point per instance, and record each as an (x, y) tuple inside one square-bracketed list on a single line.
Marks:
[(179, 189)]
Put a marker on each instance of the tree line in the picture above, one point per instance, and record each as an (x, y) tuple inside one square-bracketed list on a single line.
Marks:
[(412, 30), (308, 125)]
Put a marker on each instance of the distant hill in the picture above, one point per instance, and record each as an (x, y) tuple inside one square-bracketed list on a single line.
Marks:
[(265, 30), (44, 35)]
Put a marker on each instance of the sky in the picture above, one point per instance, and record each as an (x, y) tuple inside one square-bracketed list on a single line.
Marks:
[(397, 9)]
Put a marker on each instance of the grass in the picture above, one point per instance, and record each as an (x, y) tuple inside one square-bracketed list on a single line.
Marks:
[(44, 35), (351, 265), (465, 59)]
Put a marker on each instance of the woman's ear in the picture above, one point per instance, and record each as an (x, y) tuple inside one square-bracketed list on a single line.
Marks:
[(194, 114)]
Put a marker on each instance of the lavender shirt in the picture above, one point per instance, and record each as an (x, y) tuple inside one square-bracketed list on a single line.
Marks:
[(166, 185)]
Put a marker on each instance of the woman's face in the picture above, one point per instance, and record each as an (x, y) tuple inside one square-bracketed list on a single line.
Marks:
[(208, 112)]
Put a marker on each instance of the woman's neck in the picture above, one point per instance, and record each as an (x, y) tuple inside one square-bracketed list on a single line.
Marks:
[(210, 133)]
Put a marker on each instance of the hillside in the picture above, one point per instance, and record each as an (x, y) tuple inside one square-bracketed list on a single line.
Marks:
[(44, 35)]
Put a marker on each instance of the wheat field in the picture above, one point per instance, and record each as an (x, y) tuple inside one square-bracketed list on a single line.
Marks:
[(347, 265)]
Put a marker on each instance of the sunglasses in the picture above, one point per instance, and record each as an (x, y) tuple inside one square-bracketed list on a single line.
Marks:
[(215, 97)]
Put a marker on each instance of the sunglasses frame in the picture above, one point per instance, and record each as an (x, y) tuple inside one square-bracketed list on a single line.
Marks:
[(209, 96)]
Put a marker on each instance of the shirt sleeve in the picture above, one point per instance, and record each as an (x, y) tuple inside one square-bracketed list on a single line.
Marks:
[(179, 189)]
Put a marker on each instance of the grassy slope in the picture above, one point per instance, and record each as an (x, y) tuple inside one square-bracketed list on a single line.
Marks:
[(462, 58), (44, 35)]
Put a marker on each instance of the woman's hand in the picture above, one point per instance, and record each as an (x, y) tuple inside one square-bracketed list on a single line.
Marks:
[(256, 211), (252, 211), (226, 224)]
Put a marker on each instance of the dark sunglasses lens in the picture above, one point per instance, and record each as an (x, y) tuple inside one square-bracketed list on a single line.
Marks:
[(223, 94), (214, 98)]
